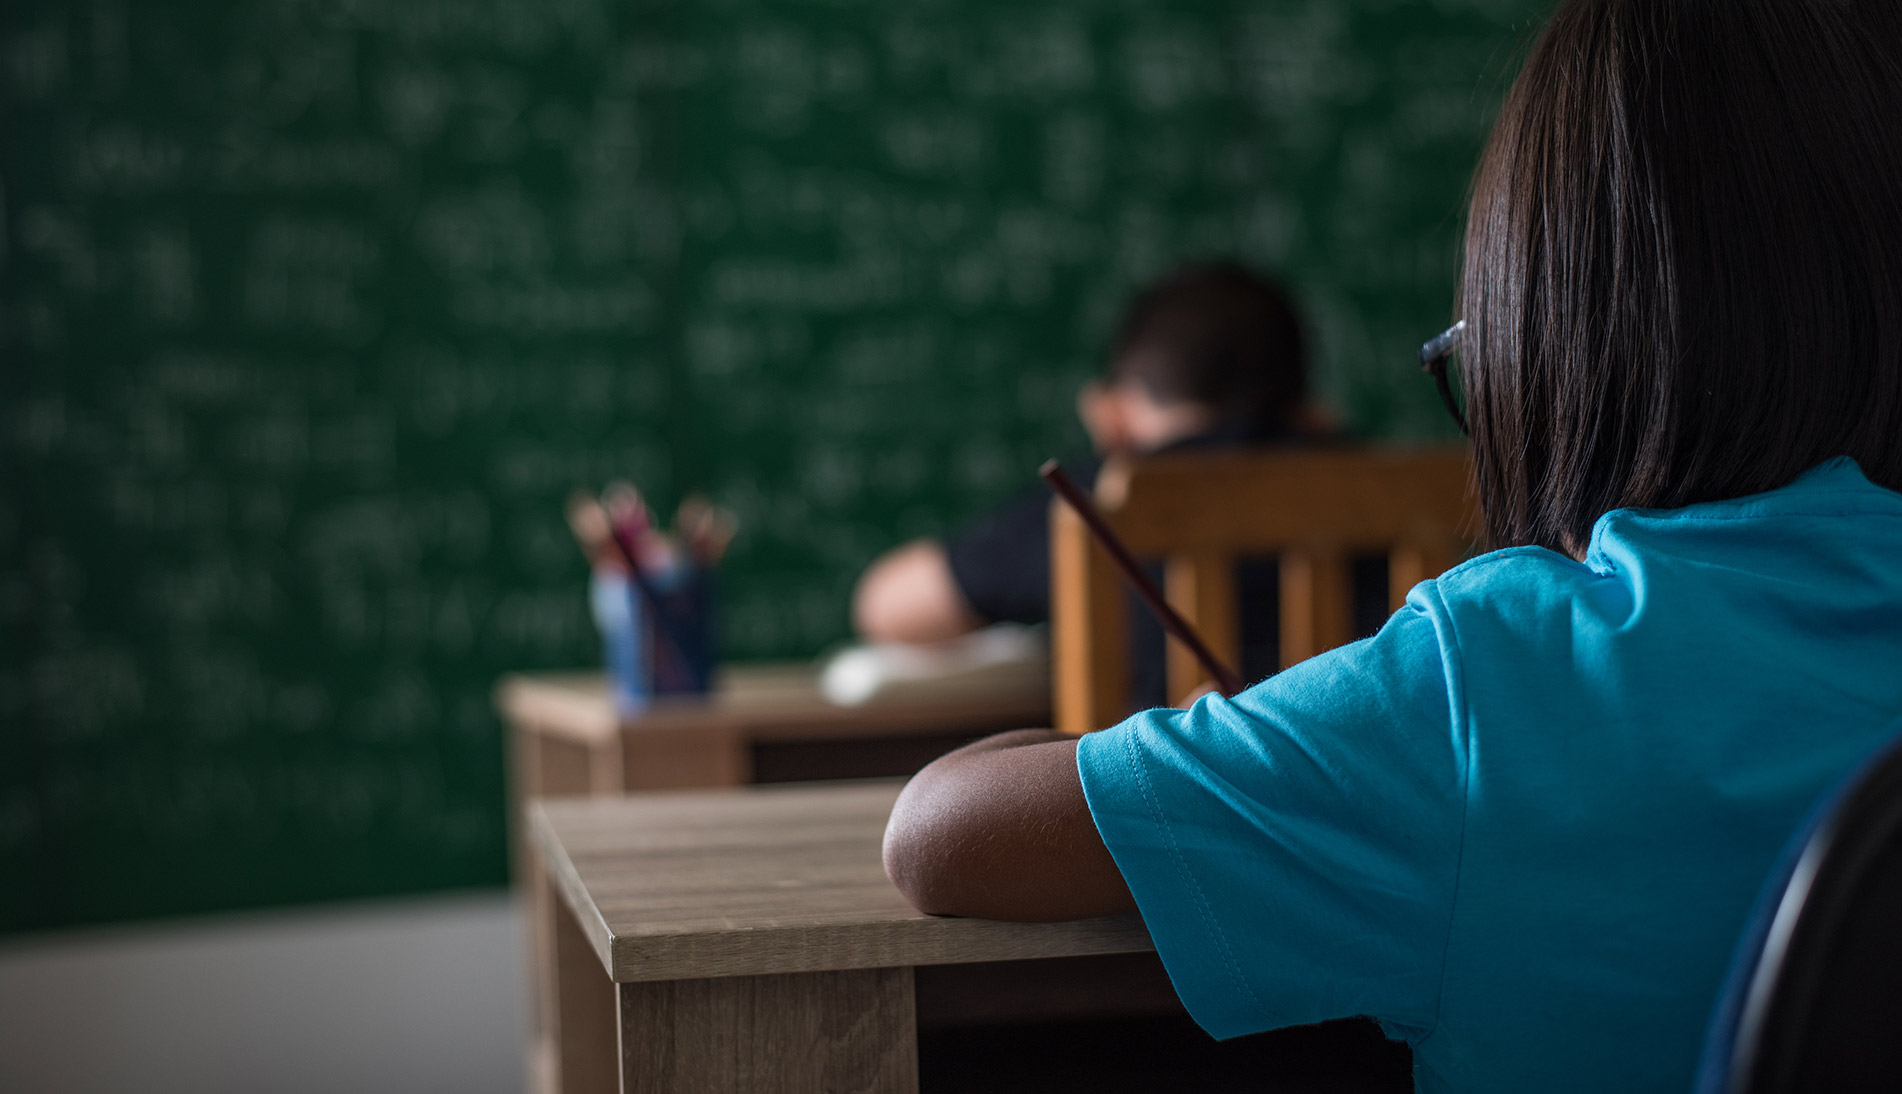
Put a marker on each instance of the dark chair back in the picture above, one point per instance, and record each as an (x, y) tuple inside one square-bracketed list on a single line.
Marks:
[(1814, 1000)]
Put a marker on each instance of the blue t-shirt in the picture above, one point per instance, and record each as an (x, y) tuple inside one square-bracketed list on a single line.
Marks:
[(1523, 825)]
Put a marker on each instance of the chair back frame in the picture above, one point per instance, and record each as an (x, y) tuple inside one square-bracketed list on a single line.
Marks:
[(1201, 512)]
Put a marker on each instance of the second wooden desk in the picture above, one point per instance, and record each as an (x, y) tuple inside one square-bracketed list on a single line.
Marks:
[(762, 723)]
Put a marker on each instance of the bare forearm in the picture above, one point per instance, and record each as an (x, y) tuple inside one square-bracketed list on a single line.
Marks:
[(1000, 829)]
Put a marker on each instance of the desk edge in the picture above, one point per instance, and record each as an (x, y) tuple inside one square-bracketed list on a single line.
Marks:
[(537, 703), (896, 944), (560, 869)]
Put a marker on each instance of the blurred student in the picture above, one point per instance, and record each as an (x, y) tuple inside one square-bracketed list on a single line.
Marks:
[(1212, 355), (1523, 825)]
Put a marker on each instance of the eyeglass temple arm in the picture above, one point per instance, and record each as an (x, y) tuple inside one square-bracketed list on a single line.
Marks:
[(1441, 345)]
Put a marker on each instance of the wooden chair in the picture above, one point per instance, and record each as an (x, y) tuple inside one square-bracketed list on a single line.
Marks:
[(1200, 512)]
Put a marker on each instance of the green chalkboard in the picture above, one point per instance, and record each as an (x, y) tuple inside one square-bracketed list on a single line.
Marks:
[(314, 310)]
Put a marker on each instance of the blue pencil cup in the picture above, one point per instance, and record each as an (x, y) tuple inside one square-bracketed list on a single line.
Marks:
[(657, 641)]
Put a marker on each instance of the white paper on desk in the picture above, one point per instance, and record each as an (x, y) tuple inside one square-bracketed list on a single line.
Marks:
[(1006, 658)]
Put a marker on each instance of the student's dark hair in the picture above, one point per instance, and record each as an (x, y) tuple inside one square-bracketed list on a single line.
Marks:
[(1217, 334), (1683, 271)]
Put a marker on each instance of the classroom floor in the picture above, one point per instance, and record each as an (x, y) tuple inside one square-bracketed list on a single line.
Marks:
[(1164, 1055), (417, 995)]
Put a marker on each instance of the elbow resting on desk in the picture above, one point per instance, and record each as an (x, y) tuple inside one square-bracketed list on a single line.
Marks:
[(1000, 829)]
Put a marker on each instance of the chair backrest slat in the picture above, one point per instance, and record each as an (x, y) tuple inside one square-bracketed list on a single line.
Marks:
[(1411, 563), (1317, 602), (1201, 585)]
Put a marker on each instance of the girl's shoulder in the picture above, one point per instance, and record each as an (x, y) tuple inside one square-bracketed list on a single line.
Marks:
[(1510, 582)]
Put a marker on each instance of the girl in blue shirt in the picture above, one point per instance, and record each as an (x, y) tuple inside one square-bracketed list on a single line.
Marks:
[(1522, 826)]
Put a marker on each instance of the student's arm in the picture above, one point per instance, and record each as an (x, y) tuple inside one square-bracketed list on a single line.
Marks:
[(999, 829), (909, 595)]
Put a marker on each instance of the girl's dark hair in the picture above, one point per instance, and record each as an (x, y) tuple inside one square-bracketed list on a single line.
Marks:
[(1683, 273), (1220, 335)]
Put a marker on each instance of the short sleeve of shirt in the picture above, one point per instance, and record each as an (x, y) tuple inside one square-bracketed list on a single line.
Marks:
[(1295, 850)]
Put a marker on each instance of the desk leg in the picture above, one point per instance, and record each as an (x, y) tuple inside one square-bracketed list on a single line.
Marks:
[(576, 1054), (798, 1033), (545, 766)]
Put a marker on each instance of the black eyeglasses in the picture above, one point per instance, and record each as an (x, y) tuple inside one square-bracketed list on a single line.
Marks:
[(1433, 357)]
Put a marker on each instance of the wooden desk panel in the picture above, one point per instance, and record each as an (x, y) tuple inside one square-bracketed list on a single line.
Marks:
[(566, 737), (763, 702), (705, 913)]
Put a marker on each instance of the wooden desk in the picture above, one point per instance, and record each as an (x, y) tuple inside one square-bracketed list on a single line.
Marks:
[(761, 723), (747, 940)]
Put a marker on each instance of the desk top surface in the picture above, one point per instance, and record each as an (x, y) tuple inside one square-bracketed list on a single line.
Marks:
[(764, 701), (700, 884)]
